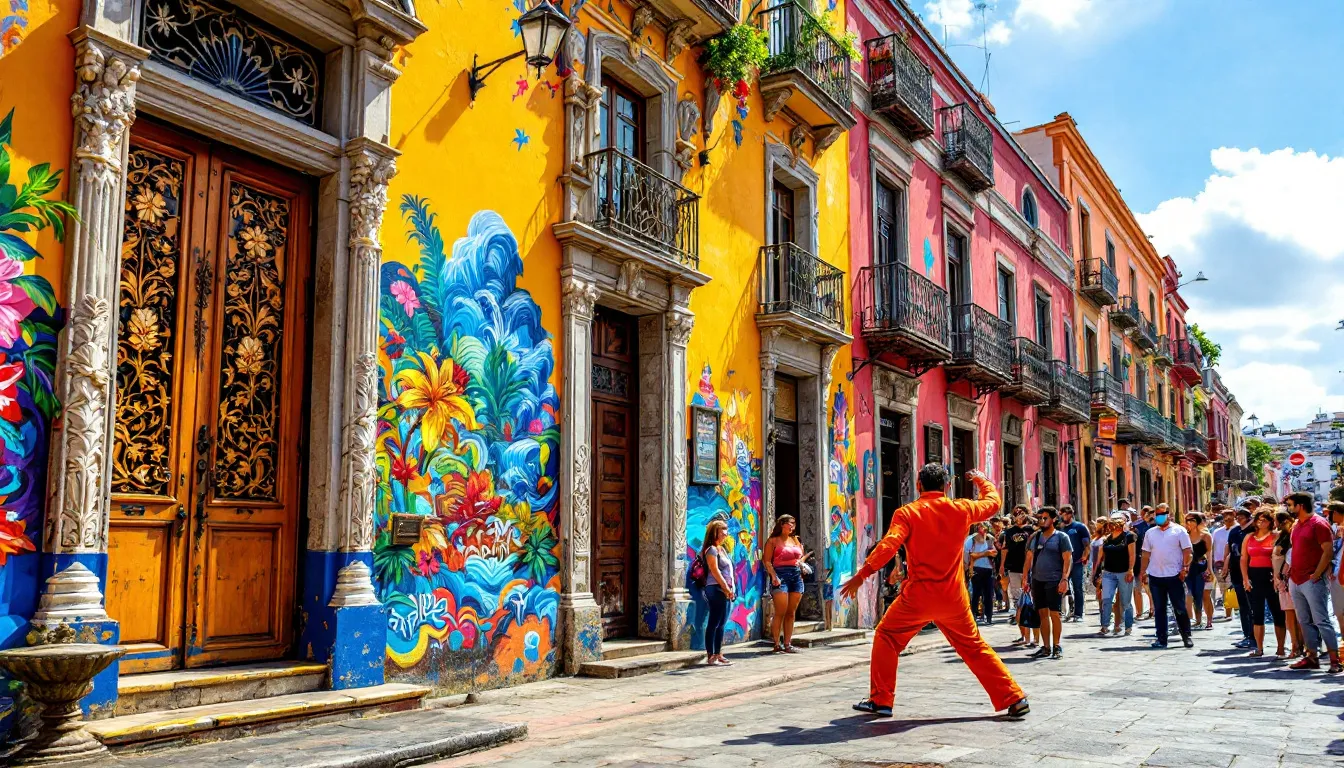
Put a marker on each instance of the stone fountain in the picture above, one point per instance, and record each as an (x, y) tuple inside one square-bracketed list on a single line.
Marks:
[(58, 674)]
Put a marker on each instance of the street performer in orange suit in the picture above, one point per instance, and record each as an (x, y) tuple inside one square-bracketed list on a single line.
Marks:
[(933, 531)]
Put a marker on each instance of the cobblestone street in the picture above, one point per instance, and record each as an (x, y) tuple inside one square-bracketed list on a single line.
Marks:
[(1109, 702)]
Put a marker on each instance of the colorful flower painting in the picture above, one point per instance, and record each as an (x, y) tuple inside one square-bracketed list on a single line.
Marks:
[(842, 486), (13, 25), (468, 439), (29, 322), (736, 500)]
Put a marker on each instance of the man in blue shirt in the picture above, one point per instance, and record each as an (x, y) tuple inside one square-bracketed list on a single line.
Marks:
[(1081, 539)]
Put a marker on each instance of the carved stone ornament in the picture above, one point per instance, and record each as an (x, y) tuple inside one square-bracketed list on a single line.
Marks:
[(824, 137), (1012, 428), (354, 586), (77, 525), (961, 409), (576, 46), (579, 297), (775, 101), (797, 136), (678, 38), (103, 106), (712, 98), (679, 501), (71, 594), (828, 354), (769, 364), (1049, 440), (359, 471), (370, 172), (679, 325), (900, 390), (642, 19), (688, 117), (631, 280), (581, 540)]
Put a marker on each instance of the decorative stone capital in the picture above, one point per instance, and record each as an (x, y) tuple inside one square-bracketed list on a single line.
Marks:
[(372, 166), (642, 18), (678, 38), (631, 280), (824, 137), (775, 101), (103, 106), (828, 353), (679, 325), (354, 586), (579, 297), (70, 595)]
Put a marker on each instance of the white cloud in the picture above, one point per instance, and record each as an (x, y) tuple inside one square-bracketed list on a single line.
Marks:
[(954, 14), (1289, 196), (1284, 394), (999, 33), (1058, 14), (1253, 342)]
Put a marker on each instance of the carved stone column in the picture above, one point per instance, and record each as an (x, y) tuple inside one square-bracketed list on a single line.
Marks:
[(679, 325), (580, 619), (769, 364)]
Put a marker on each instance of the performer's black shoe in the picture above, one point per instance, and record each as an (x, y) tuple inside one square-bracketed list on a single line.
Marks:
[(1020, 709), (871, 708)]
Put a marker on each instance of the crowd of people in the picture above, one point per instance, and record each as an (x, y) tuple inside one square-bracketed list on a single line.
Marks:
[(1264, 561)]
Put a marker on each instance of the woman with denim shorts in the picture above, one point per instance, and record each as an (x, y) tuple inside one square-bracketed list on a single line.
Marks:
[(784, 562)]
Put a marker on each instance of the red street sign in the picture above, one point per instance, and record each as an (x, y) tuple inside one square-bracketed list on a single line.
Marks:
[(1297, 458), (1106, 427)]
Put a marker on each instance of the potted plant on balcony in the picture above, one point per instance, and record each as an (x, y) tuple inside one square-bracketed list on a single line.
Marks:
[(731, 60)]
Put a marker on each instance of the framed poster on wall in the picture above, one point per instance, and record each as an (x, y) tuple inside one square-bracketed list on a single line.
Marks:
[(704, 446)]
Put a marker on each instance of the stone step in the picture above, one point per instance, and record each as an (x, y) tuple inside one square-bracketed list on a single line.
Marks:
[(828, 637), (178, 689), (213, 722), (646, 664), (626, 648)]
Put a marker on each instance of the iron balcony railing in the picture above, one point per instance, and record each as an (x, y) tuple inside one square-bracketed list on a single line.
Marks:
[(981, 339), (1126, 314), (795, 281), (1188, 353), (1145, 334), (968, 146), (1108, 392), (1162, 353), (901, 85), (797, 40), (732, 7), (1196, 444), (1031, 369), (1070, 394), (898, 300), (1098, 282), (637, 202), (1175, 436), (1145, 422)]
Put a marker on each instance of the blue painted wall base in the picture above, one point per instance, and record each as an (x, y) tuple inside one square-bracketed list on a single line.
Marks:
[(353, 640), (100, 631)]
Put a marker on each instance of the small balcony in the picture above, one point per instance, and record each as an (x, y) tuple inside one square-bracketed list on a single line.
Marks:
[(968, 147), (802, 294), (1196, 446), (1097, 282), (636, 204), (1125, 315), (1162, 352), (1108, 394), (1030, 383), (707, 17), (904, 313), (1134, 425), (1215, 451), (1187, 362), (1070, 395), (982, 349), (807, 71), (901, 86), (1174, 438), (1145, 335)]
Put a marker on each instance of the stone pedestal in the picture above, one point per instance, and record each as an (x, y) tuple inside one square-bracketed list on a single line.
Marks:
[(73, 599)]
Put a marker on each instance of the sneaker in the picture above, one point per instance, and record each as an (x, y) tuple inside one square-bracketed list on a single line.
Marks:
[(1158, 645), (1018, 641), (1041, 653), (871, 708), (1129, 631), (1019, 710), (1105, 631), (1305, 663), (1058, 653)]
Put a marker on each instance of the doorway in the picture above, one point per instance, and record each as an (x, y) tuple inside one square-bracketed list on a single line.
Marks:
[(787, 458), (897, 456), (963, 461), (1012, 469), (211, 394), (614, 379)]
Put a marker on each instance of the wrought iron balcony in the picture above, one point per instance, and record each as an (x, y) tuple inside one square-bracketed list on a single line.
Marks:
[(636, 202), (901, 86), (968, 146), (1030, 383), (1097, 282), (794, 282), (707, 17), (1187, 361), (1070, 395), (1142, 423), (807, 71), (1162, 353), (1125, 315), (1108, 394), (1145, 334), (904, 313), (982, 349), (1174, 441), (1196, 446)]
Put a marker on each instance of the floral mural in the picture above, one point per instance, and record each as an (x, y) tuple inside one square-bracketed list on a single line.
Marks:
[(29, 322), (13, 25), (468, 439), (842, 486), (737, 500)]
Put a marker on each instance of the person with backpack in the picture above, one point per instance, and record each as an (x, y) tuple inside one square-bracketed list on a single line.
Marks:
[(1049, 562), (713, 572)]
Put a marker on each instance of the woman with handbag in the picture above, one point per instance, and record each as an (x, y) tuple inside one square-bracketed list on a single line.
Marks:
[(785, 566)]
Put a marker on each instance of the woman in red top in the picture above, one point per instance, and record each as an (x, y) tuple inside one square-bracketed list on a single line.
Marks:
[(784, 564), (1257, 573)]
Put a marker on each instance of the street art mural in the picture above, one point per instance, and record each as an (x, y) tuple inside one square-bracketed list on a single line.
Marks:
[(737, 500), (13, 24), (29, 321), (467, 439), (842, 485)]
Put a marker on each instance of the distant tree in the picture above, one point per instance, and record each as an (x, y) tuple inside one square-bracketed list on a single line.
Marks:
[(1212, 352), (1258, 454)]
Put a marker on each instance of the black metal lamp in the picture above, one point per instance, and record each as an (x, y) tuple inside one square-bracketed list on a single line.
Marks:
[(543, 29)]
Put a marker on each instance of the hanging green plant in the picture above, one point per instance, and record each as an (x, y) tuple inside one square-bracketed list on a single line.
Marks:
[(735, 56), (847, 41)]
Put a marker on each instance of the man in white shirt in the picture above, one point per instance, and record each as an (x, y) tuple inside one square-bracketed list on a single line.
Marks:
[(1166, 561), (1220, 581)]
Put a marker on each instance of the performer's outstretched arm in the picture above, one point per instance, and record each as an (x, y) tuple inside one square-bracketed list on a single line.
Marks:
[(989, 503)]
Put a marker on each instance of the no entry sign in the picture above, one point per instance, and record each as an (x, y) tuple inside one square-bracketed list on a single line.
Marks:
[(1297, 458)]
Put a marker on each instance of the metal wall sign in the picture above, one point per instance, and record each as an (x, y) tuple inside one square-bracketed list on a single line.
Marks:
[(704, 446)]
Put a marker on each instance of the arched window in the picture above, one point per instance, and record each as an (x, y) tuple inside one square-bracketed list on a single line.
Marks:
[(1029, 208)]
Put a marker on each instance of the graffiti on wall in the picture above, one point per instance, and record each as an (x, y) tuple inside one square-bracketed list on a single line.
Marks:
[(467, 438), (29, 321), (842, 486), (13, 25), (736, 500)]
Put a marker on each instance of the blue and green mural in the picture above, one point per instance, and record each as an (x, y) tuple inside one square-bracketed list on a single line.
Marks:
[(842, 486), (467, 438), (736, 500)]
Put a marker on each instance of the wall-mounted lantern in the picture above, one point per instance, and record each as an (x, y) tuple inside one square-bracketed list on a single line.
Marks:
[(543, 29)]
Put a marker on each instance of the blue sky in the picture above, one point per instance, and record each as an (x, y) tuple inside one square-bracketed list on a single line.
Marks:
[(1223, 125)]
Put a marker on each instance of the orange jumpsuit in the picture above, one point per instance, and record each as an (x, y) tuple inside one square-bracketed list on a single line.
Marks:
[(933, 529)]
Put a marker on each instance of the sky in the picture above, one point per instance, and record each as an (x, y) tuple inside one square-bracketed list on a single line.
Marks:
[(1222, 122)]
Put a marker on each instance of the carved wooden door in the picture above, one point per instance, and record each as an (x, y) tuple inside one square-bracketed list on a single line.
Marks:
[(210, 385), (614, 443)]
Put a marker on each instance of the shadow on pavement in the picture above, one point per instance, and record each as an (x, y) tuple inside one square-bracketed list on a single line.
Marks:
[(847, 729)]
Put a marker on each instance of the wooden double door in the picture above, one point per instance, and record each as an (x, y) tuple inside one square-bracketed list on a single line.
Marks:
[(614, 379), (211, 376)]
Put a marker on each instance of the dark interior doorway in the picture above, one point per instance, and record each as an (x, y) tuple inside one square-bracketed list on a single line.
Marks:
[(787, 464), (963, 461)]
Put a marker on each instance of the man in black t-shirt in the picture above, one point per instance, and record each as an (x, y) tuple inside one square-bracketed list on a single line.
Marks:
[(1232, 568), (1013, 541)]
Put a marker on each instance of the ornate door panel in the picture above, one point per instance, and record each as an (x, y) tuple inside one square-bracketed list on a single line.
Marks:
[(205, 461), (614, 439)]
